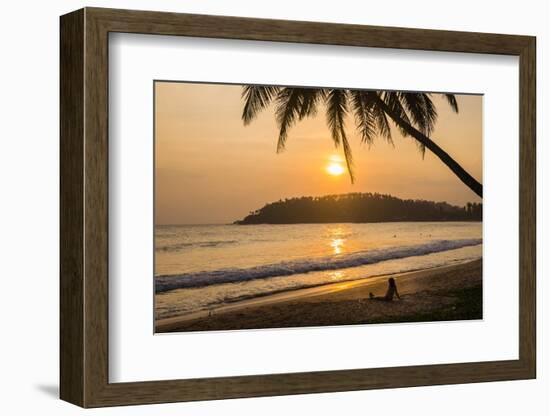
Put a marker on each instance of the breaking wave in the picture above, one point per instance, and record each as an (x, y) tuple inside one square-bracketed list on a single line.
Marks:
[(287, 268)]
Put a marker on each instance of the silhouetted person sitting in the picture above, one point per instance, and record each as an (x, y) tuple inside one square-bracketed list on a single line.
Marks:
[(392, 290)]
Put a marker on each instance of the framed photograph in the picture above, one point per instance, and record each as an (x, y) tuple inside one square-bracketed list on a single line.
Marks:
[(257, 207)]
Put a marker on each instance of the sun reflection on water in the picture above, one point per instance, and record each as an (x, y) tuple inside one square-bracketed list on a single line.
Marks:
[(337, 239), (337, 245), (336, 275)]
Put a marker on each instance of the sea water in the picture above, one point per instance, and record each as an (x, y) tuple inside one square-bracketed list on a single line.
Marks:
[(199, 267)]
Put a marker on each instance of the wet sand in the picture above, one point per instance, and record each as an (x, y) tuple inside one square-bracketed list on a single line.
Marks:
[(445, 293)]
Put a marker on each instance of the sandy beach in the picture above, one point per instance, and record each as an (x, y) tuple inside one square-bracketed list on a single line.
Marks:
[(438, 294)]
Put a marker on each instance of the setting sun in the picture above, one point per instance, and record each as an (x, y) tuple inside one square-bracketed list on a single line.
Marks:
[(335, 169)]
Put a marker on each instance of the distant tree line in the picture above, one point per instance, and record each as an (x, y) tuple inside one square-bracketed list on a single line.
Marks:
[(359, 207)]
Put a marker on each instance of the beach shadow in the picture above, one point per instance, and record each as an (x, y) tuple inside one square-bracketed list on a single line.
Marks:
[(51, 390)]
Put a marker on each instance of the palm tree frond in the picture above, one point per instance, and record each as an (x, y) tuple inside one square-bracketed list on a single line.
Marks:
[(294, 104), (414, 114), (336, 103), (421, 148), (289, 109), (256, 98), (337, 109), (392, 99), (451, 99), (310, 99), (382, 123), (364, 119), (420, 108)]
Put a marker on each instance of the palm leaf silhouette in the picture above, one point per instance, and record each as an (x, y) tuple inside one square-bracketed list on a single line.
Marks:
[(414, 114)]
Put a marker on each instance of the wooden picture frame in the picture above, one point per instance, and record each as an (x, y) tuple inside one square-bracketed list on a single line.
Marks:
[(84, 207)]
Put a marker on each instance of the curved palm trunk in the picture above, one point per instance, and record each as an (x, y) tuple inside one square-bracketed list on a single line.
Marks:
[(458, 170)]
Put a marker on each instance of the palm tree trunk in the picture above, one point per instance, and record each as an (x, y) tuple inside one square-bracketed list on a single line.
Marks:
[(458, 170)]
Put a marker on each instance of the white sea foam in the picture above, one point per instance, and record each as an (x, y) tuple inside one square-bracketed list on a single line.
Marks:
[(199, 279)]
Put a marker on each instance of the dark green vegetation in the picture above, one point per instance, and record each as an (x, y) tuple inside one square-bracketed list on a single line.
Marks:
[(413, 113), (359, 207)]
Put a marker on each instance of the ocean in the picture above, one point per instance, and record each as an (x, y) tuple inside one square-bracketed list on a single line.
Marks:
[(200, 267)]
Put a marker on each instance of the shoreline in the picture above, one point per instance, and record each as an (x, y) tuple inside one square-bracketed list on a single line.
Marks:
[(304, 307)]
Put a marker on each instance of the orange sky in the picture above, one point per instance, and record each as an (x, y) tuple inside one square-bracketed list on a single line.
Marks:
[(210, 168)]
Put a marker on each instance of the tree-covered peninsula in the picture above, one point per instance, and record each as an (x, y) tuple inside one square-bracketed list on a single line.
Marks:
[(357, 208)]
